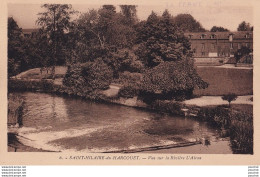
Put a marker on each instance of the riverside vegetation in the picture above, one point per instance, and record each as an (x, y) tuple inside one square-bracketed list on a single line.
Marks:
[(151, 59)]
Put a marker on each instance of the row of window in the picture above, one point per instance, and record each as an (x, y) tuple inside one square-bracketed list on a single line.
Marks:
[(213, 45), (213, 36), (219, 54)]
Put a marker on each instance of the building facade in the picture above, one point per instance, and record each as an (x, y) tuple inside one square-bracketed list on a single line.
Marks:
[(219, 44), (29, 33)]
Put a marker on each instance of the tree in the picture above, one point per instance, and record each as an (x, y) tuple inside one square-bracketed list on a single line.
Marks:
[(244, 51), (129, 13), (84, 79), (55, 23), (171, 80), (161, 40), (229, 97), (187, 23), (218, 29), (244, 26), (167, 56), (104, 34), (23, 53), (15, 51)]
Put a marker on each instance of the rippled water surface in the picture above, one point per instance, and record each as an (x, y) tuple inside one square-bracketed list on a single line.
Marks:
[(67, 124)]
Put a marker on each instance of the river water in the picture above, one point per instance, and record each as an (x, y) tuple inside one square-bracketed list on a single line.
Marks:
[(57, 123)]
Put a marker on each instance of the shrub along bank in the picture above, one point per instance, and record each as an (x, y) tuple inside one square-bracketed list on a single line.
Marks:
[(237, 124)]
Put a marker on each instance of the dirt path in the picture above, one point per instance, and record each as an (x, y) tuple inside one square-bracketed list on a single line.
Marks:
[(217, 100)]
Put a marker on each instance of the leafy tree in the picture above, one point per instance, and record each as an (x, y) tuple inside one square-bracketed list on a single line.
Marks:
[(244, 26), (129, 14), (171, 80), (15, 51), (86, 78), (55, 23), (167, 55), (244, 51), (229, 97), (104, 34), (218, 29), (161, 40), (187, 23), (23, 53)]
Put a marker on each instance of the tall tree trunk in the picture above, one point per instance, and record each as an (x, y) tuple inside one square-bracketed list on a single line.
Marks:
[(55, 46)]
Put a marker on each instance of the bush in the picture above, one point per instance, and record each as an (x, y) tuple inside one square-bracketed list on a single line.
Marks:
[(84, 79), (129, 78), (217, 116), (241, 133), (171, 80), (129, 91), (239, 125), (171, 107)]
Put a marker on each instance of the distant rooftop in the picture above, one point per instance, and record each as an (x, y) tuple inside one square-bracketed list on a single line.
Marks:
[(220, 35)]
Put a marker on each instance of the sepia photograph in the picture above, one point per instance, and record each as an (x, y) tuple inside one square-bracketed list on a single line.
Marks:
[(172, 78)]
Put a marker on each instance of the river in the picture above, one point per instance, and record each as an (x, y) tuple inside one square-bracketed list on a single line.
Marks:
[(58, 123)]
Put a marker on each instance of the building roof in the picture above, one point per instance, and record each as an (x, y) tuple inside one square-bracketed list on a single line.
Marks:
[(221, 35), (29, 30)]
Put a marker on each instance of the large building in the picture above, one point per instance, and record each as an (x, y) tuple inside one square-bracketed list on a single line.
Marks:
[(219, 44)]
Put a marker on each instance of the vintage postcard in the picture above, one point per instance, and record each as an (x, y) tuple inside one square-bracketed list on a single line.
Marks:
[(129, 82)]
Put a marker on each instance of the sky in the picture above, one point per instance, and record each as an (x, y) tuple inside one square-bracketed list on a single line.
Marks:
[(213, 14)]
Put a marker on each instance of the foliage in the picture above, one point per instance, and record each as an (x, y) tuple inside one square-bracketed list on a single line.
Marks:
[(187, 23), (161, 40), (23, 52), (241, 133), (85, 78), (229, 97), (244, 51), (104, 28), (30, 85), (106, 34), (238, 124), (55, 23), (129, 91), (244, 26), (129, 78), (218, 29), (171, 80), (171, 107), (124, 60), (15, 51), (129, 13)]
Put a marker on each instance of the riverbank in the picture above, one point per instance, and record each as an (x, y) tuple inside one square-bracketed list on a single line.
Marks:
[(232, 121)]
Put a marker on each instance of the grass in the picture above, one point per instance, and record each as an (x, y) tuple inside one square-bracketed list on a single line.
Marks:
[(223, 81)]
